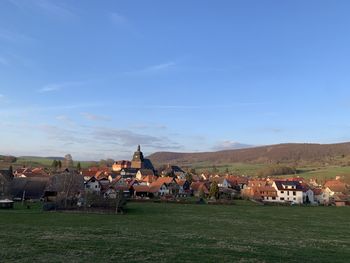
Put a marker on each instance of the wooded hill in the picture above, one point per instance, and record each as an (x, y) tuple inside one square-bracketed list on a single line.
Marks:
[(292, 153)]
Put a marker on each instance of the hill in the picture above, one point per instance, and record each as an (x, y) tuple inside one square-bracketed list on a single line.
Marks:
[(292, 153)]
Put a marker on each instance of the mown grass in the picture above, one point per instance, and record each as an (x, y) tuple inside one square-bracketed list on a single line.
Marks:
[(152, 232)]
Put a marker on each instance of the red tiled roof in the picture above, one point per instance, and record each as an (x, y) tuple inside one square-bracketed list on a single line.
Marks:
[(336, 186), (165, 180), (181, 182), (141, 188)]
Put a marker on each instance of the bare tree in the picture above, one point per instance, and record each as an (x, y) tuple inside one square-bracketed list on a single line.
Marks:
[(67, 185)]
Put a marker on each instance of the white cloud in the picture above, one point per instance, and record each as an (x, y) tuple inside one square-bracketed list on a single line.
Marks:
[(66, 120), (153, 69), (230, 145), (93, 117), (59, 86)]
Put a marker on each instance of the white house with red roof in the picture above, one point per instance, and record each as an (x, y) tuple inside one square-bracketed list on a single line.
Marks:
[(93, 185)]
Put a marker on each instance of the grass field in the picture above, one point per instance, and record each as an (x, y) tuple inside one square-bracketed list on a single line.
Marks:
[(324, 173), (237, 168), (38, 162), (153, 232)]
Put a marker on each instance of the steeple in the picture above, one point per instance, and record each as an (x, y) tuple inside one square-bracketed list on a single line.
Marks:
[(137, 159)]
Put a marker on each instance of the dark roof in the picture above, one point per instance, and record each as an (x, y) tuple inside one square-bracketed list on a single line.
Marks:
[(147, 164), (145, 172), (34, 187), (6, 174), (280, 185), (130, 170)]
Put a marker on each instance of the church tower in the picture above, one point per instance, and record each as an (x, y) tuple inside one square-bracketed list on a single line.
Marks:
[(137, 159)]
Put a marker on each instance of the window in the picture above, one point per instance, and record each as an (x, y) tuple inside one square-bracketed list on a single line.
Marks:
[(281, 198), (282, 192), (294, 199), (294, 193), (273, 198), (287, 192)]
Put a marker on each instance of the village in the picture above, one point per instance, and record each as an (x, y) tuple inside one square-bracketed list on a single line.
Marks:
[(138, 180)]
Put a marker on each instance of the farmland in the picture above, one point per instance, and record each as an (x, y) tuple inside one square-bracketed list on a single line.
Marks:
[(178, 233)]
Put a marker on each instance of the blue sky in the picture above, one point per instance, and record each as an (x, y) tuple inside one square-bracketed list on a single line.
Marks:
[(96, 78)]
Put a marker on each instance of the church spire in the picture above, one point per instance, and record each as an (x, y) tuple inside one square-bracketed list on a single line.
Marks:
[(139, 148)]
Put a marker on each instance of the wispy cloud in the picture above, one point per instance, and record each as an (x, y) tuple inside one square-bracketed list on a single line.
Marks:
[(229, 145), (47, 7), (119, 20), (93, 117), (66, 120), (59, 86), (154, 69), (198, 107), (128, 138), (15, 37)]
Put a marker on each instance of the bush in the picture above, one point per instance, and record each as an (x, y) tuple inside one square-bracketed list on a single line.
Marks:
[(276, 170)]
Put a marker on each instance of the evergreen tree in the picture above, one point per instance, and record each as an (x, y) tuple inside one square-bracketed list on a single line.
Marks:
[(59, 164), (79, 166), (11, 170), (54, 164)]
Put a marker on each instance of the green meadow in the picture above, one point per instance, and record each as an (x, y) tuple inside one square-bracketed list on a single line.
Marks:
[(158, 232)]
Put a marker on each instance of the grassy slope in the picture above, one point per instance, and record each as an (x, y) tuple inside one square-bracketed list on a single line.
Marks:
[(37, 162), (179, 233)]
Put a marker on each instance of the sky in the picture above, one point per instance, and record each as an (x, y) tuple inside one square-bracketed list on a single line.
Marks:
[(96, 78)]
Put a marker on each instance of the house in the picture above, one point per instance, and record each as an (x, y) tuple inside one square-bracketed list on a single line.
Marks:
[(173, 171), (31, 188), (184, 187), (148, 180), (143, 173), (88, 173), (239, 181), (288, 191), (199, 188), (93, 185), (322, 195), (164, 186), (308, 194), (221, 181), (28, 172), (141, 190), (104, 183), (129, 172), (341, 200), (266, 193), (337, 186), (251, 190), (119, 165)]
